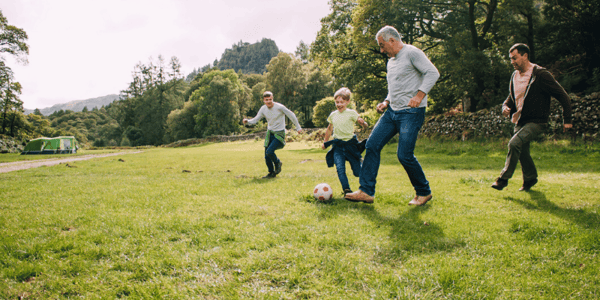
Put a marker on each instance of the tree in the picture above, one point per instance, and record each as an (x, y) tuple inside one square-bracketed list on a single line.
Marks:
[(570, 35), (286, 78), (218, 112), (12, 41), (11, 104), (322, 110), (181, 123), (297, 85), (242, 92), (347, 48), (303, 52), (145, 105)]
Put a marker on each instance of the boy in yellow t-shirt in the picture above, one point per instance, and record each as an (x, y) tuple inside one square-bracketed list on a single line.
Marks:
[(345, 144)]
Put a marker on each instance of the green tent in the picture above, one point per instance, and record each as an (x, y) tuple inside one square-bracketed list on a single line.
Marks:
[(55, 145)]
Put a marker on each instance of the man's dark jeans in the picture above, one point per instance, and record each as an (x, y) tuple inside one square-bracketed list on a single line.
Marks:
[(518, 151), (270, 157), (407, 123)]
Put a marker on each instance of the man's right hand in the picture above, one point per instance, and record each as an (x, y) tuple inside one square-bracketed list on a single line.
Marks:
[(505, 111), (382, 106), (245, 121)]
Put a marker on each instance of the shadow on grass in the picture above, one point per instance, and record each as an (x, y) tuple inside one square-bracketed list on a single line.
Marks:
[(410, 233), (588, 220)]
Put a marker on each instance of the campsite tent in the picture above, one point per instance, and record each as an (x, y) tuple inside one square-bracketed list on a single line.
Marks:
[(55, 145)]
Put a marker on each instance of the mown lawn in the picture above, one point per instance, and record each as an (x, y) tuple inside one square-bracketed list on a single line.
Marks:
[(198, 222)]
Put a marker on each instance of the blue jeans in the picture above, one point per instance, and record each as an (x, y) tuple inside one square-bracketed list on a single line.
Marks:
[(270, 157), (407, 122), (340, 164)]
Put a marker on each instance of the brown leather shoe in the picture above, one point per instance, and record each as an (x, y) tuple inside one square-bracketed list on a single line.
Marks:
[(500, 183), (420, 200), (359, 196), (527, 185)]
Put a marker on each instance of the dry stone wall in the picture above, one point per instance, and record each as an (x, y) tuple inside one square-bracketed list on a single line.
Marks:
[(9, 145), (491, 123)]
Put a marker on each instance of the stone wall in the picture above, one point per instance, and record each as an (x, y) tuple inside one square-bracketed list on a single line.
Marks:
[(491, 123), (9, 145)]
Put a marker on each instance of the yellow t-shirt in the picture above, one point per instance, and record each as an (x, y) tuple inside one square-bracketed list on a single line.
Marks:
[(343, 123)]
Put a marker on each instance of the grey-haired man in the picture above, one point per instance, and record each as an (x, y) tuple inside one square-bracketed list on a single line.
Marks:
[(410, 76)]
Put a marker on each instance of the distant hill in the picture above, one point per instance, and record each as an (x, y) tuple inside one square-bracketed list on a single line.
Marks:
[(245, 57), (77, 105)]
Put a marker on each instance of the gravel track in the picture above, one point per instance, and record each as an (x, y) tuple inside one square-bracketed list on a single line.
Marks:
[(22, 165)]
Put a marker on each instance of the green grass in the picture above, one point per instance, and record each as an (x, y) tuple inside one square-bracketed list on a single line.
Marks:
[(198, 222)]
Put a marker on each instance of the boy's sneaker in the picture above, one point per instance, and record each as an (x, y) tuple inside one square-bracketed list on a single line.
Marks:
[(278, 167), (347, 191), (270, 175)]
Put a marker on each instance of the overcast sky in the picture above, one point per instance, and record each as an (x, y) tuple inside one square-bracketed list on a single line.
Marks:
[(81, 49)]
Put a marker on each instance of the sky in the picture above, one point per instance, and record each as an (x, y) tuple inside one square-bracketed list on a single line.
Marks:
[(82, 49)]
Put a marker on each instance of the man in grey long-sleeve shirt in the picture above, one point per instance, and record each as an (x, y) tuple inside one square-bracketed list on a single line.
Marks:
[(275, 114), (410, 76)]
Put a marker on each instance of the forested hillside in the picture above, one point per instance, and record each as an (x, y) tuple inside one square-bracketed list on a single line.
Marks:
[(243, 57)]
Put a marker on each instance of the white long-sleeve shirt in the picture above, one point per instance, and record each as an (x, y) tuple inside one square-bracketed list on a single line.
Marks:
[(275, 117), (408, 72)]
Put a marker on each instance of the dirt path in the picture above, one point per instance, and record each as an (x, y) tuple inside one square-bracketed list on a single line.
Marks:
[(22, 165)]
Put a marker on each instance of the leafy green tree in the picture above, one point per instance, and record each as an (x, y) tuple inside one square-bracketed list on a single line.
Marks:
[(570, 37), (156, 90), (241, 94), (181, 123), (297, 85), (12, 42), (322, 109), (218, 111), (38, 126), (11, 104), (448, 31), (286, 78)]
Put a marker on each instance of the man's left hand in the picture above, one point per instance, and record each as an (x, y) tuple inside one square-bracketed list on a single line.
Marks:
[(567, 126), (299, 130)]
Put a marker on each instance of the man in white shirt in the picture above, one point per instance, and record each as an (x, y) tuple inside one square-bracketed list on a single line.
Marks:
[(410, 76), (275, 114)]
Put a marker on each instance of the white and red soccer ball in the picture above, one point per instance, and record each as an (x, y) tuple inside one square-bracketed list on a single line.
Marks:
[(323, 192)]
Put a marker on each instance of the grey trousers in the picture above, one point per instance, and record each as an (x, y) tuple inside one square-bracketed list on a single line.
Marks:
[(518, 151)]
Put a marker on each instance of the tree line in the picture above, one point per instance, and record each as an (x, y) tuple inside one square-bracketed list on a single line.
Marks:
[(468, 41)]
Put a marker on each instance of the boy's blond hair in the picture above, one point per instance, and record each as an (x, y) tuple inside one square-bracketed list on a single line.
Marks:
[(344, 93)]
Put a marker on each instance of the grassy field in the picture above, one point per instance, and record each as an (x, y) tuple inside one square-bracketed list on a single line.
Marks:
[(198, 222)]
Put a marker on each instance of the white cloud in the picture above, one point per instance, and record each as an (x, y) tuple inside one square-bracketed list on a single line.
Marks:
[(81, 49)]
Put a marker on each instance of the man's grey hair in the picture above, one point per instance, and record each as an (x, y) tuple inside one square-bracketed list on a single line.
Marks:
[(388, 32)]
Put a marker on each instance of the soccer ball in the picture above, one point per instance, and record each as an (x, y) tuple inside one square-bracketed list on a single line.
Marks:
[(323, 192)]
